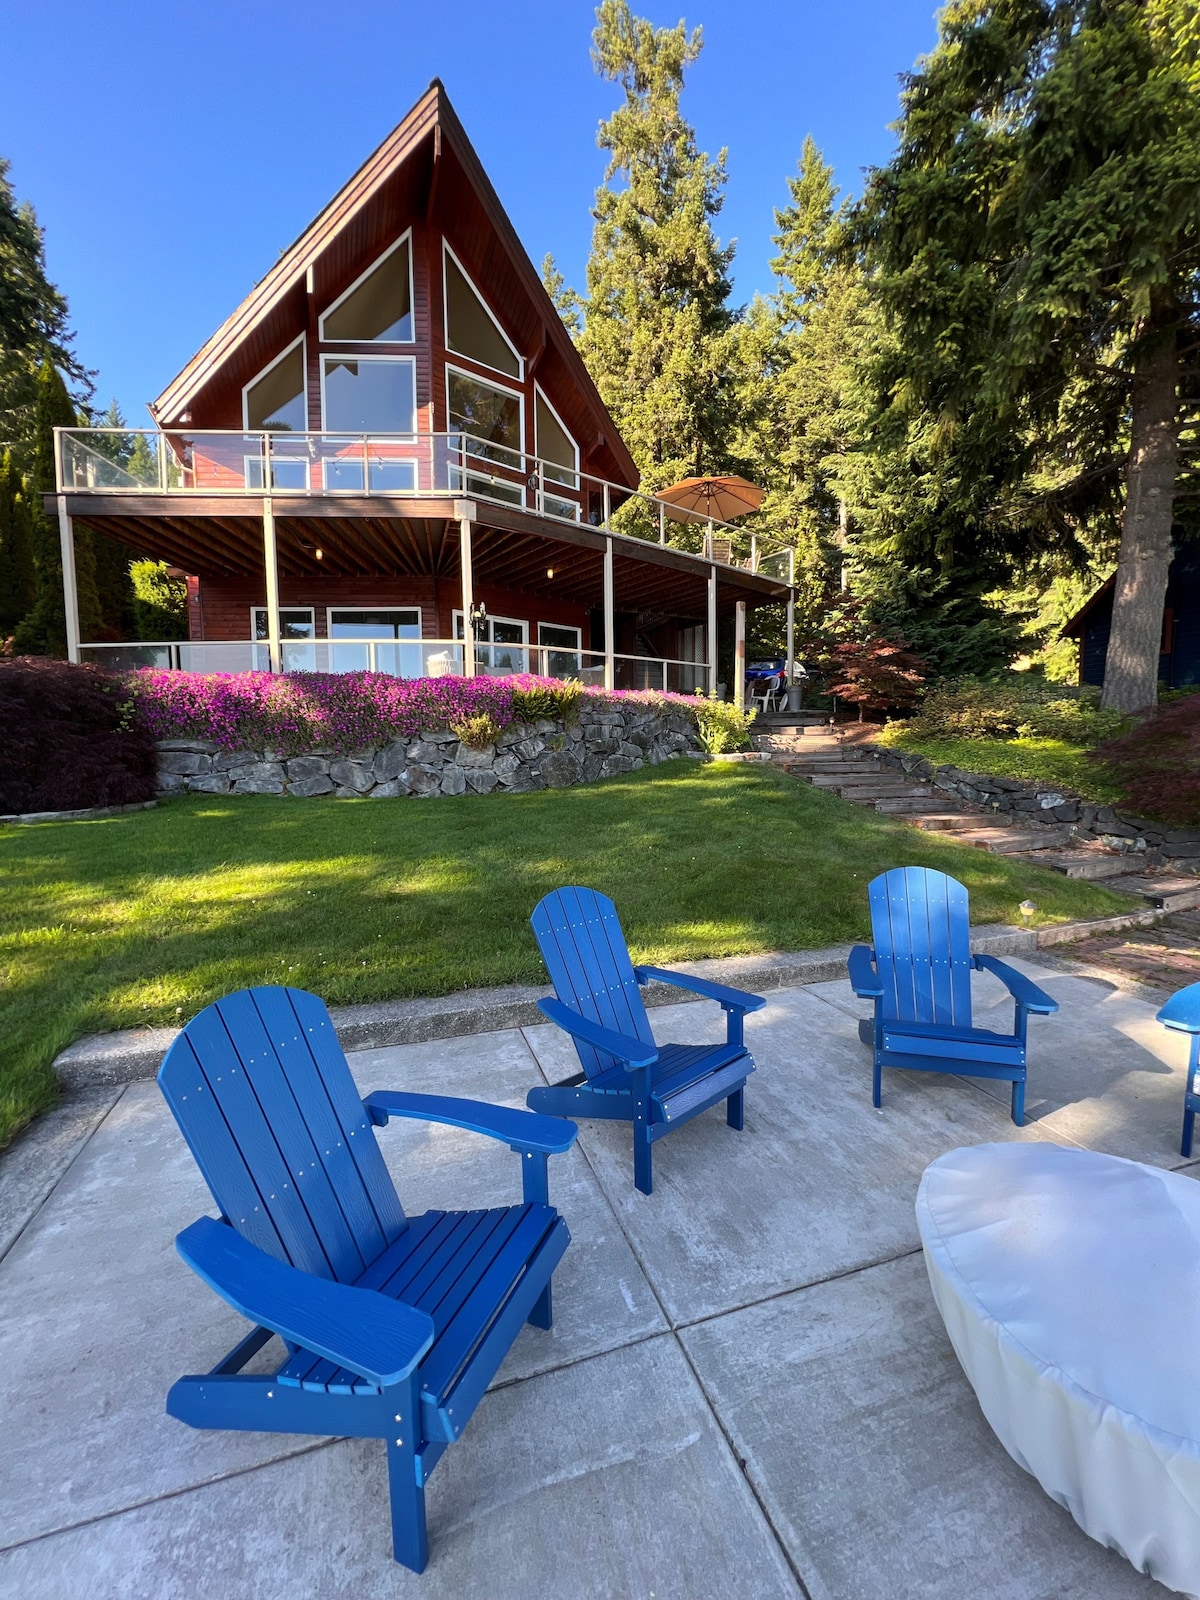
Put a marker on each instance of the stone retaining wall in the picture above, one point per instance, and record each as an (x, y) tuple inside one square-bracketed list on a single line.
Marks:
[(525, 756), (1036, 804)]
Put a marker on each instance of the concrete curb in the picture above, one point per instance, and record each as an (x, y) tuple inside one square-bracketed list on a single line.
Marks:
[(113, 1058), (88, 814)]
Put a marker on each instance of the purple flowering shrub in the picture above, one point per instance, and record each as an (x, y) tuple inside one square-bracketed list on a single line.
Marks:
[(348, 711)]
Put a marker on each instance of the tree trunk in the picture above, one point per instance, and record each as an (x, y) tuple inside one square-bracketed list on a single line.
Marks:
[(1131, 667)]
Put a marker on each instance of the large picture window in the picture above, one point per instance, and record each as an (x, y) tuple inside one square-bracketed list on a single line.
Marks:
[(369, 394), (378, 306), (380, 626), (471, 329), (274, 402), (296, 633), (559, 457), (492, 460)]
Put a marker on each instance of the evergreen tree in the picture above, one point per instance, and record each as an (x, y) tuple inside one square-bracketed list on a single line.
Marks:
[(33, 325), (44, 630), (16, 550), (1035, 243), (566, 301), (658, 332), (114, 586)]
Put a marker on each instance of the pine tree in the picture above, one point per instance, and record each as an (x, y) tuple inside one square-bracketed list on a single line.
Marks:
[(16, 549), (658, 331), (44, 630), (33, 325), (1035, 242), (566, 302)]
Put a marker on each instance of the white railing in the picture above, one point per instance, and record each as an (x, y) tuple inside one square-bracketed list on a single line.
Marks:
[(224, 462), (402, 658)]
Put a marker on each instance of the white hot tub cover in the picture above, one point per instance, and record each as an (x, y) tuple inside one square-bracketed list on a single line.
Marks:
[(1069, 1283)]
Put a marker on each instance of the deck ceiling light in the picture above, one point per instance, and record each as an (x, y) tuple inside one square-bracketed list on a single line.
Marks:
[(320, 554), (549, 572)]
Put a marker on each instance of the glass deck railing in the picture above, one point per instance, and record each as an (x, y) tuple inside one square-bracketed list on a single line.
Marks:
[(187, 462), (405, 658)]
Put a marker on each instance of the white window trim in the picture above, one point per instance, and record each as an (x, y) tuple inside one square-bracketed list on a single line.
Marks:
[(405, 237), (567, 627), (540, 394), (259, 376), (519, 358), (329, 610), (519, 396), (312, 616), (456, 618), (367, 355)]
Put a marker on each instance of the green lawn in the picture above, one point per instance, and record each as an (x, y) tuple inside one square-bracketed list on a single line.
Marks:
[(143, 919), (1049, 761)]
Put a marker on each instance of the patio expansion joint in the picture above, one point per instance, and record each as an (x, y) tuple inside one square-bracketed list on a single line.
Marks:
[(53, 1189)]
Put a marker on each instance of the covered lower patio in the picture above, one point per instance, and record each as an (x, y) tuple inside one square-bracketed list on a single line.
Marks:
[(422, 587)]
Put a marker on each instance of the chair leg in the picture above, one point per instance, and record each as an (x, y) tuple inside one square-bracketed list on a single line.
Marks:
[(410, 1543), (542, 1315), (1185, 1146), (642, 1162), (1018, 1102), (735, 1109), (877, 1085)]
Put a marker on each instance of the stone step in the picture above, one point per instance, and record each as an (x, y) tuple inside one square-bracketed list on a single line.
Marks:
[(1168, 893), (1011, 842), (1090, 864)]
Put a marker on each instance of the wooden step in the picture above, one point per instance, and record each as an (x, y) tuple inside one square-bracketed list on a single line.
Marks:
[(868, 793), (1009, 842), (944, 821), (1090, 864), (1168, 893), (909, 806), (834, 780)]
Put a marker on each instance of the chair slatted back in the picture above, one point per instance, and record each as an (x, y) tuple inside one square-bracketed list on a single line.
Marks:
[(262, 1092), (920, 920), (579, 934)]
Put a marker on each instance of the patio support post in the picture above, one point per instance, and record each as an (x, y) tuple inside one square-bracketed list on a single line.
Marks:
[(271, 568), (66, 535), (610, 674), (710, 632), (791, 637), (468, 595), (739, 654)]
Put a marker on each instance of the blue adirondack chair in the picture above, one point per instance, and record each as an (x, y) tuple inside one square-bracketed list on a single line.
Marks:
[(919, 976), (393, 1326), (1182, 1013), (626, 1077)]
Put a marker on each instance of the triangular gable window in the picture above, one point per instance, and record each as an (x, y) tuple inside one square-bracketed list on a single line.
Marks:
[(471, 329), (275, 401), (378, 307)]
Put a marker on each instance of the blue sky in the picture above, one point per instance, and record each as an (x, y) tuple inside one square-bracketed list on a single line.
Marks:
[(173, 149)]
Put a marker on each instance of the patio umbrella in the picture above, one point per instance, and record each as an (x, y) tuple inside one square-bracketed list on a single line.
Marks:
[(711, 499)]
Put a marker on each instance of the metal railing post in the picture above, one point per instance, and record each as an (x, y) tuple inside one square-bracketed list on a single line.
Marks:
[(753, 552), (607, 503), (662, 522), (366, 455)]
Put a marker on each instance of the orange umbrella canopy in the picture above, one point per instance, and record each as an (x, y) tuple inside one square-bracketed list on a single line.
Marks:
[(721, 499)]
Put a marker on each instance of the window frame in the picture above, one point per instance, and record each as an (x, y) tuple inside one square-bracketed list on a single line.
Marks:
[(264, 608), (547, 493), (302, 341), (451, 352), (323, 339), (329, 610), (477, 471), (361, 354)]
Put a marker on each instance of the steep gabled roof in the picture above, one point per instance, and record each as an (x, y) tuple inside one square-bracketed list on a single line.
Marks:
[(430, 122)]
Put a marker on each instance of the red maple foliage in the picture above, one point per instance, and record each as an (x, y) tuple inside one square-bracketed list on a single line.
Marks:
[(1157, 764)]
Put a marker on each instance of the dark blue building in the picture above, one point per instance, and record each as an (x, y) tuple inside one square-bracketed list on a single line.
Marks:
[(1179, 663)]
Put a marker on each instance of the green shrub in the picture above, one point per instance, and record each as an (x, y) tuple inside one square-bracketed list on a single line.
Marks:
[(1017, 706), (477, 732), (557, 702), (721, 725)]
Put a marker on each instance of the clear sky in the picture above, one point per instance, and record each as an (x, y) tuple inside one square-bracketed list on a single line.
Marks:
[(173, 149)]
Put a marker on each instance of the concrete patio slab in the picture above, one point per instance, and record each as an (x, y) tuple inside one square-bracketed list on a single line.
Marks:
[(95, 1279), (610, 1478), (869, 1452), (40, 1156), (820, 1183)]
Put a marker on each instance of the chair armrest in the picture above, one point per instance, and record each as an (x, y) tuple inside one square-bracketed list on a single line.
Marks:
[(355, 1328), (1023, 990), (633, 1052), (1182, 1010), (729, 999), (521, 1130), (864, 979)]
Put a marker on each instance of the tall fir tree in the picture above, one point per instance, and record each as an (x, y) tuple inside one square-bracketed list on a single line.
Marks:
[(44, 630), (33, 325), (657, 332), (1035, 243), (16, 549), (114, 585)]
